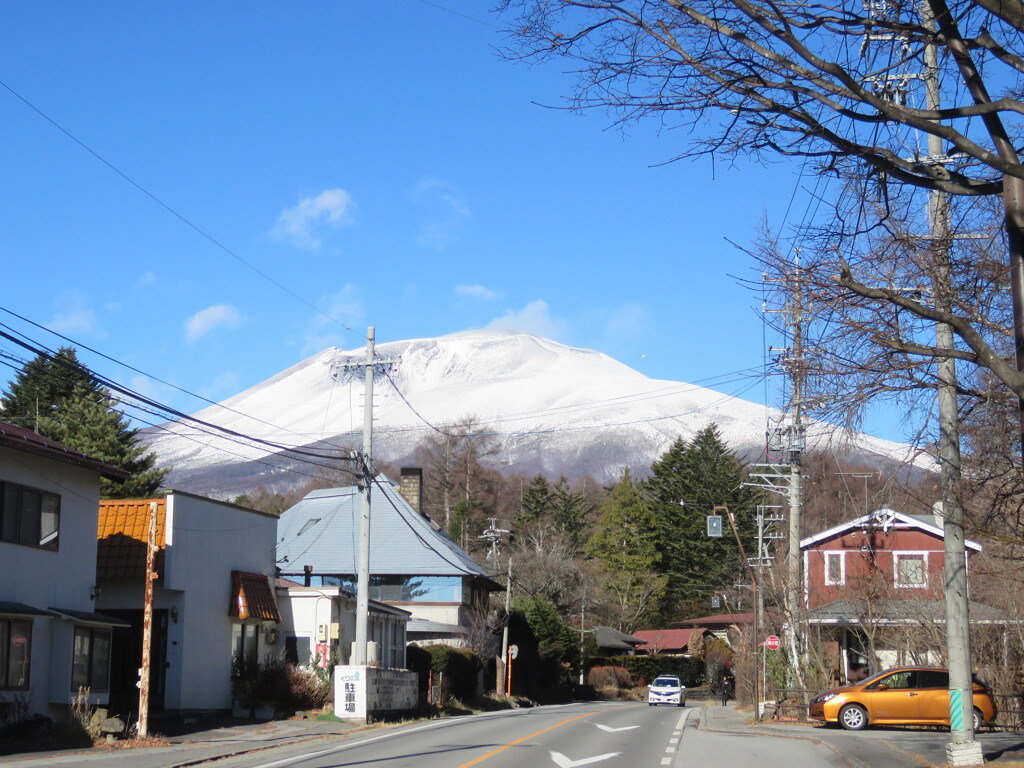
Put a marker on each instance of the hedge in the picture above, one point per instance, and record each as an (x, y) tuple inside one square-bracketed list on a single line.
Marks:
[(643, 669)]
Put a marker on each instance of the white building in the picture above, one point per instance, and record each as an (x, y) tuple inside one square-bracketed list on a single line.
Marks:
[(319, 625), (213, 599), (52, 640)]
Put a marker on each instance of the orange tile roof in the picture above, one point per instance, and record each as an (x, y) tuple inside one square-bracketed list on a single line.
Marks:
[(123, 530), (252, 597)]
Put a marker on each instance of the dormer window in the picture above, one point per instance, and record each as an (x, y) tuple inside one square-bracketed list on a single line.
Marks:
[(911, 569)]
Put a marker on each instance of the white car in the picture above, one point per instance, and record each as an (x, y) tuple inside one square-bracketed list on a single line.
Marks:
[(666, 689)]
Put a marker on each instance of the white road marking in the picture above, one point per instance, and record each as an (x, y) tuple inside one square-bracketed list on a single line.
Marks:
[(564, 762), (609, 729), (666, 761)]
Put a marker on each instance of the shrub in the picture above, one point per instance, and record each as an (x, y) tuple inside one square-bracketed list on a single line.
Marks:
[(284, 685)]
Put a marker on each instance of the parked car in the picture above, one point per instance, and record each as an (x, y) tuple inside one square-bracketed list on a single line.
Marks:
[(666, 689), (900, 696)]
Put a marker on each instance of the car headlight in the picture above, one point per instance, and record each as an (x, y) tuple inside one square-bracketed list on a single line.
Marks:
[(823, 698)]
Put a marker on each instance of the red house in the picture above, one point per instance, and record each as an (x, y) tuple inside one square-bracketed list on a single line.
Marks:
[(873, 590)]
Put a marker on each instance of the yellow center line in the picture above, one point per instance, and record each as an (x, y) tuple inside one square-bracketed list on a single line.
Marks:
[(493, 752)]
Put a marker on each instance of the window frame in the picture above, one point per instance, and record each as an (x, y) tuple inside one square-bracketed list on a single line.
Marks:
[(841, 557), (7, 659), (93, 638), (29, 517), (898, 557)]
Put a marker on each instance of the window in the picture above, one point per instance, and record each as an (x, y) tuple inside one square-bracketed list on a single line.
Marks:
[(835, 568), (911, 569), (90, 663), (15, 651), (245, 640), (29, 516)]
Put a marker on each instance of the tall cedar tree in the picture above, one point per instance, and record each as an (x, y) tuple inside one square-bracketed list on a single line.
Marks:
[(568, 511), (40, 388), (625, 546), (87, 422), (686, 483), (536, 504)]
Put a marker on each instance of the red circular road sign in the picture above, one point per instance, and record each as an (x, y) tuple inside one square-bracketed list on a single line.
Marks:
[(772, 642)]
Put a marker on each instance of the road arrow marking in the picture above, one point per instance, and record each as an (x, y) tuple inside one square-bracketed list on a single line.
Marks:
[(609, 729), (564, 762)]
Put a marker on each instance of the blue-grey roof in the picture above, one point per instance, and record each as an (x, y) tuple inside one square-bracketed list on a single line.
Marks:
[(322, 530)]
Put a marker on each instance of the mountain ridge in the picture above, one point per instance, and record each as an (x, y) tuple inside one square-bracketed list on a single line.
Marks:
[(552, 409)]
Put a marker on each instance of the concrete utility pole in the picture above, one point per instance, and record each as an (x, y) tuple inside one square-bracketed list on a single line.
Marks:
[(359, 655), (962, 749)]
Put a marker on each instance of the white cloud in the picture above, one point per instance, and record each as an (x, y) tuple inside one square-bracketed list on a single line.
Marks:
[(445, 213), (475, 292), (147, 280), (534, 318), (332, 207), (205, 320), (73, 315), (343, 308)]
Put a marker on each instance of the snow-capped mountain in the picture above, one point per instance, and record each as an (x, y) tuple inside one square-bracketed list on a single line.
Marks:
[(553, 409)]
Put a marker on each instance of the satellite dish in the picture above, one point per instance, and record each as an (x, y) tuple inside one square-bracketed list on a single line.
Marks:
[(350, 604)]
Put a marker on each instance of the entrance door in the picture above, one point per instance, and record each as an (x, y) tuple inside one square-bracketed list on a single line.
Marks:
[(126, 660)]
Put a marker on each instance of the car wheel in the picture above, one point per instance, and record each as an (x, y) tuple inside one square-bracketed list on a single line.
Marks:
[(978, 720), (853, 717)]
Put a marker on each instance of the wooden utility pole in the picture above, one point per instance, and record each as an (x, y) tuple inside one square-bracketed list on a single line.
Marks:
[(147, 622)]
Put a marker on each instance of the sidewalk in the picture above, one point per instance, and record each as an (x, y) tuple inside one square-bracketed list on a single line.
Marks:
[(874, 748), (203, 742)]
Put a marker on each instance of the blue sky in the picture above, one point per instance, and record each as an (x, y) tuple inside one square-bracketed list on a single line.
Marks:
[(377, 162)]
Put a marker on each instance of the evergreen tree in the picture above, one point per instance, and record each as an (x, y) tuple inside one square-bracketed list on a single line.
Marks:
[(685, 485), (568, 511), (42, 385), (554, 639), (87, 422), (625, 546), (536, 503)]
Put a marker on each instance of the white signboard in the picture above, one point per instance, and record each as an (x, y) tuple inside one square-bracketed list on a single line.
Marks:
[(361, 691)]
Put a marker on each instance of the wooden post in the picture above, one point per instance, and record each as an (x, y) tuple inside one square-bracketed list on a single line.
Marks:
[(147, 623)]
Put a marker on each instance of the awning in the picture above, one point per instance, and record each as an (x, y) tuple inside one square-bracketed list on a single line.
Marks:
[(252, 598), (89, 618), (20, 609)]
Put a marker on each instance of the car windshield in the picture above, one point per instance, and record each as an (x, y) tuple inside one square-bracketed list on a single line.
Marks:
[(663, 682)]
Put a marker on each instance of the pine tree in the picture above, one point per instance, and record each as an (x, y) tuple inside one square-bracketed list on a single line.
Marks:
[(536, 504), (568, 511), (87, 422), (686, 483), (625, 546), (42, 385)]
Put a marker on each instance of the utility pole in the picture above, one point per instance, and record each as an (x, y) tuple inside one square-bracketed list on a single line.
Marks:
[(786, 478), (504, 633), (963, 749), (359, 655), (147, 622)]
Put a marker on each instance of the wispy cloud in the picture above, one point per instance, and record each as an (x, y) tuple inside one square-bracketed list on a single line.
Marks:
[(475, 292), (301, 224), (147, 280), (73, 314), (534, 318), (206, 320), (444, 213), (343, 307)]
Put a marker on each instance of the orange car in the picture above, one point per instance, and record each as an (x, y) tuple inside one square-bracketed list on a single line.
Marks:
[(901, 696)]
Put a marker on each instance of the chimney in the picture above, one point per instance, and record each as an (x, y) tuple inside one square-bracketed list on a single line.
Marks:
[(411, 487)]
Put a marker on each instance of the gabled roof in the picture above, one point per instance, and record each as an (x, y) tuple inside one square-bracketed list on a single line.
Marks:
[(886, 519), (26, 440), (664, 639), (322, 531)]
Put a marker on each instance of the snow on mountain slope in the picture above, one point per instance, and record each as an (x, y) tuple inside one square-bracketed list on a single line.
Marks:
[(553, 408)]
